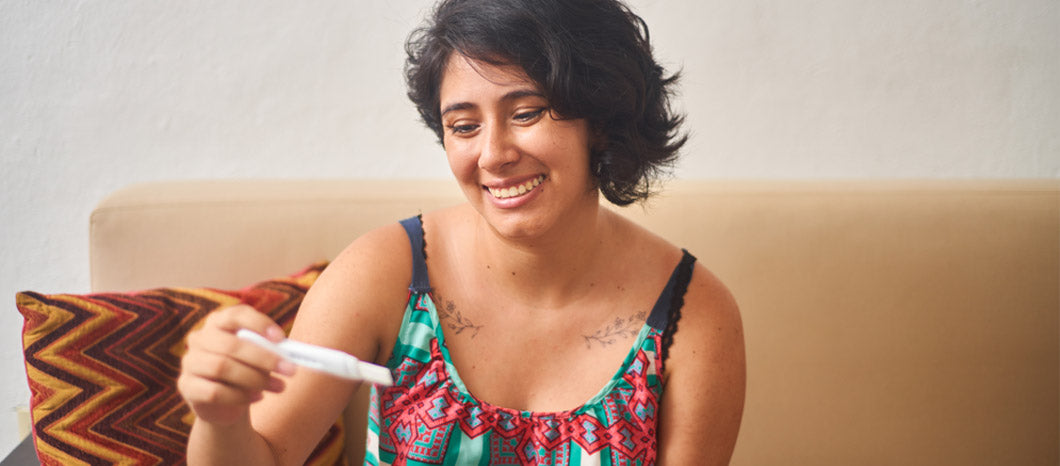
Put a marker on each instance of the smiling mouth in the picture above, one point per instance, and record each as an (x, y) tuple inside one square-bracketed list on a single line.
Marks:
[(517, 190)]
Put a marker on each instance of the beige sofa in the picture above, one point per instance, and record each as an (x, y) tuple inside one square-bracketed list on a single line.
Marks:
[(887, 322)]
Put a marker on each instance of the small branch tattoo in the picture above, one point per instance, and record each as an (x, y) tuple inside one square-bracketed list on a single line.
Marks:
[(619, 328), (456, 321), (459, 324)]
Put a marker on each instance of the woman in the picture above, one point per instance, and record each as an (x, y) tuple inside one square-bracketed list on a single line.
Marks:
[(528, 325)]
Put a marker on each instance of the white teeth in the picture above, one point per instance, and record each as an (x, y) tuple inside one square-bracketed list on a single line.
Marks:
[(504, 193)]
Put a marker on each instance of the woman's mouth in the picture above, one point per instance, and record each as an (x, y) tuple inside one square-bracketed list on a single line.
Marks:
[(517, 190)]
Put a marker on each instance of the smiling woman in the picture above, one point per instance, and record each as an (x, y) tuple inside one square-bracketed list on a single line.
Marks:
[(589, 60), (541, 106), (521, 167)]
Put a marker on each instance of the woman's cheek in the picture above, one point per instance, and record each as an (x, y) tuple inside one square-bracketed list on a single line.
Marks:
[(459, 155)]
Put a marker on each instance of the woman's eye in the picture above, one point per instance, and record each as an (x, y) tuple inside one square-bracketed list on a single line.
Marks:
[(462, 129), (528, 116)]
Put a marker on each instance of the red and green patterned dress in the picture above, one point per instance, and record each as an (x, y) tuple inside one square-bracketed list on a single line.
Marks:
[(429, 417)]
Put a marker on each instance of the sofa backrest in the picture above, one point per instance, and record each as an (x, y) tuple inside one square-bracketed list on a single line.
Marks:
[(887, 322)]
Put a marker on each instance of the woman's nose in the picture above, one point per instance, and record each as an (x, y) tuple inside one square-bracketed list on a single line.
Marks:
[(497, 148)]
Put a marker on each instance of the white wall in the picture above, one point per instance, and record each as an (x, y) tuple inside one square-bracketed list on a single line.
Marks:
[(97, 95)]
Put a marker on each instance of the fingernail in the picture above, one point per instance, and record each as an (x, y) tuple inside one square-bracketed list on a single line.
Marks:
[(274, 384), (275, 333), (285, 367)]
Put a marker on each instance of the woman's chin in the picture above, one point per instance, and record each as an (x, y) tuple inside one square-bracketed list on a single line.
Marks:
[(514, 225)]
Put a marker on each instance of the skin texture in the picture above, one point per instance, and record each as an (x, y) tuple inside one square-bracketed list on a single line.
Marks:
[(548, 272)]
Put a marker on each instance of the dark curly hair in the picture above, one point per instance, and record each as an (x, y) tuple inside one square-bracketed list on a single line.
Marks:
[(592, 60)]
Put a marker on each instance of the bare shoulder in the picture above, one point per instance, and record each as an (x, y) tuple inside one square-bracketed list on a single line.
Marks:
[(641, 246), (710, 310), (707, 299), (709, 306), (705, 376), (358, 299)]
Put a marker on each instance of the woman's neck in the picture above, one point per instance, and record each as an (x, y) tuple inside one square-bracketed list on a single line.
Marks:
[(551, 269)]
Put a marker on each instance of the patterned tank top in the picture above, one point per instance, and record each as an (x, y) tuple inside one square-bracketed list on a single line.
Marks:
[(429, 417)]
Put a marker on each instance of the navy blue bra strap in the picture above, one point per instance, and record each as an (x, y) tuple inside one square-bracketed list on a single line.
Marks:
[(662, 312), (414, 228)]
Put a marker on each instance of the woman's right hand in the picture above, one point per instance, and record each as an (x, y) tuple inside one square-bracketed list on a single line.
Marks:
[(221, 375)]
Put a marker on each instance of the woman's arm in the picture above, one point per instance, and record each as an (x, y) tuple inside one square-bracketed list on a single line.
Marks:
[(220, 377), (705, 378), (355, 306)]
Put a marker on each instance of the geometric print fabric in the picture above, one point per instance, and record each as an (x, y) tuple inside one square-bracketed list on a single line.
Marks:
[(429, 417), (102, 369)]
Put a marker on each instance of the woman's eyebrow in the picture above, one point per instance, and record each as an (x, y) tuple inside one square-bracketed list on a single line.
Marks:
[(457, 106), (512, 95)]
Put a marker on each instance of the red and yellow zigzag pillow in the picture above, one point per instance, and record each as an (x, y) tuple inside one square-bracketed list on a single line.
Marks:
[(102, 369)]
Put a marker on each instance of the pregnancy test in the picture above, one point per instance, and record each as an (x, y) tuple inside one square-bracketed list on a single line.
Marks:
[(323, 359)]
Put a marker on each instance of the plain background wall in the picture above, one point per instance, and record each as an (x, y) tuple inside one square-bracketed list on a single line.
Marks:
[(97, 95)]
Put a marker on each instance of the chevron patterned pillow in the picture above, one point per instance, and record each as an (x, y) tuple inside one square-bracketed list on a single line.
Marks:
[(102, 369)]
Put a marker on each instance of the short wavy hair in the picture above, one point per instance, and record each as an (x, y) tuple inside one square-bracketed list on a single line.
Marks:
[(591, 58)]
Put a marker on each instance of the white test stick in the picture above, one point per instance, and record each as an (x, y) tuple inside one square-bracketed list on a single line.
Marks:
[(331, 361)]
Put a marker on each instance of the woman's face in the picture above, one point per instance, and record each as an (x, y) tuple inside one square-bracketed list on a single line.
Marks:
[(523, 170)]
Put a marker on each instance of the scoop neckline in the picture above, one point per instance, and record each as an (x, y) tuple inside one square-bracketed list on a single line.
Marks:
[(465, 395)]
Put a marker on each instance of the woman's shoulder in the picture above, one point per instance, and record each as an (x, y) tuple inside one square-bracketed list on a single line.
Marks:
[(367, 284), (384, 252), (637, 244), (710, 305), (707, 301), (381, 259)]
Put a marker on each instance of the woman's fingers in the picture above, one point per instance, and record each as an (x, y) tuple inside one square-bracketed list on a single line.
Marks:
[(221, 374), (218, 336), (215, 402), (231, 348), (203, 391), (230, 371), (242, 316)]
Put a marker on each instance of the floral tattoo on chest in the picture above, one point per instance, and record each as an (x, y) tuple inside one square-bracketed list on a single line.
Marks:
[(454, 320), (616, 330)]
